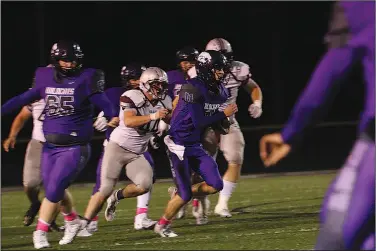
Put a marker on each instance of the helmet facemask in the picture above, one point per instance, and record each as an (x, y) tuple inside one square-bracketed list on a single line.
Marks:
[(67, 52), (156, 89)]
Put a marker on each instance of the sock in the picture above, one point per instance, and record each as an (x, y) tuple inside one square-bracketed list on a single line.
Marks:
[(225, 194), (119, 194), (141, 210), (95, 218), (195, 202), (143, 200), (164, 221), (71, 216), (42, 225)]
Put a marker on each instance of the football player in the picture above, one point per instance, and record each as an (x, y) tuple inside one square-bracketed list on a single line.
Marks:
[(186, 59), (32, 177), (231, 144), (188, 122), (141, 110), (69, 91), (348, 210), (130, 79)]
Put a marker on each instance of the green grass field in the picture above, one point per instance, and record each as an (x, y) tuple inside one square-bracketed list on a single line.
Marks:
[(272, 213)]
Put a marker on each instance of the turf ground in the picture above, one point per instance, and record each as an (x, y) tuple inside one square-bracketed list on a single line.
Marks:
[(275, 213)]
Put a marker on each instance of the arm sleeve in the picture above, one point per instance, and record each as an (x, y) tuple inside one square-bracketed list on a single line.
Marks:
[(97, 83), (194, 100), (20, 101), (97, 95), (320, 89), (101, 101)]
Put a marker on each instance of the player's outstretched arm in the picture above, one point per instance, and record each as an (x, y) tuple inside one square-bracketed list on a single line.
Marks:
[(17, 125), (21, 100)]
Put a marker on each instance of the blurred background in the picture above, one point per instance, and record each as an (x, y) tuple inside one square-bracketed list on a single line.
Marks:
[(281, 41)]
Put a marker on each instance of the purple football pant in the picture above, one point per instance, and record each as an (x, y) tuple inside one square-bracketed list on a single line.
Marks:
[(197, 160), (348, 211), (97, 185), (60, 166)]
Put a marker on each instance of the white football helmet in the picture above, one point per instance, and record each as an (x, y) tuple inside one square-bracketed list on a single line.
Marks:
[(154, 81), (222, 45)]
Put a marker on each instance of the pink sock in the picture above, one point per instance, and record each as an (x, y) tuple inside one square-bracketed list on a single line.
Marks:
[(71, 216), (95, 218), (164, 221), (141, 210), (42, 225), (195, 202)]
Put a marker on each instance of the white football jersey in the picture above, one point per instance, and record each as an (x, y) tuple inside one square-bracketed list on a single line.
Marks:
[(136, 139), (37, 111), (239, 73)]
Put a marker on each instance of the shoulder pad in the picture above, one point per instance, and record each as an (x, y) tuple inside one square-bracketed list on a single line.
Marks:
[(137, 97), (190, 94), (192, 72), (240, 70)]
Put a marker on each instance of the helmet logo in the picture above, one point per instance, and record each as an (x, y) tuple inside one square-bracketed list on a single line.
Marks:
[(204, 58)]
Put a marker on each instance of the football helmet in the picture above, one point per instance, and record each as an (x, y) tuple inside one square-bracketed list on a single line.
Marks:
[(154, 81), (129, 72), (67, 51), (222, 45), (208, 62)]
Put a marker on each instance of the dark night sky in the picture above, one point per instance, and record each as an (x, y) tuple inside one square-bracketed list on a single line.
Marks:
[(281, 41)]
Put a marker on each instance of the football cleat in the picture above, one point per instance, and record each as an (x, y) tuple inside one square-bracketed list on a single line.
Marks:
[(71, 230), (112, 202), (40, 239), (164, 231), (31, 213), (141, 221), (222, 212)]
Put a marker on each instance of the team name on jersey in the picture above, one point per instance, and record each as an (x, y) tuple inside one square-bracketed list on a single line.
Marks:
[(59, 91), (59, 105), (210, 109)]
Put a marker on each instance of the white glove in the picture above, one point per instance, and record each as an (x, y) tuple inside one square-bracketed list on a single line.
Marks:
[(255, 109), (162, 127), (101, 123)]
